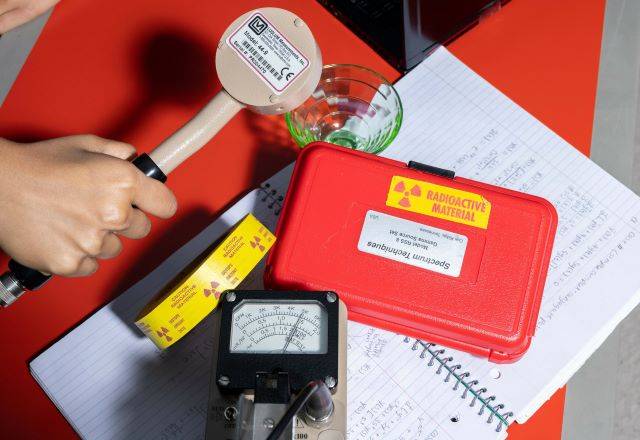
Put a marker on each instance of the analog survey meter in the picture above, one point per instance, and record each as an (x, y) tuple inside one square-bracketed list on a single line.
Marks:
[(280, 366)]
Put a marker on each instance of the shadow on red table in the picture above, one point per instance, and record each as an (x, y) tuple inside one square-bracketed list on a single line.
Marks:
[(175, 67)]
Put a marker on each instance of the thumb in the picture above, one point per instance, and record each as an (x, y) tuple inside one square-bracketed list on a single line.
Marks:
[(97, 144)]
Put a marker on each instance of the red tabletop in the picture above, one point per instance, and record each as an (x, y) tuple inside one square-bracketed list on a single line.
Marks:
[(135, 71)]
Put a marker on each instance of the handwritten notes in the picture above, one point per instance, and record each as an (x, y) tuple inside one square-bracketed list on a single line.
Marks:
[(468, 126)]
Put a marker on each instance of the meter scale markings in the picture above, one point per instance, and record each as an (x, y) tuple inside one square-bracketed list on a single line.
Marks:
[(274, 327)]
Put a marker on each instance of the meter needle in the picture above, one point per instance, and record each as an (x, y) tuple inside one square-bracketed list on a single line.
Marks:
[(293, 332)]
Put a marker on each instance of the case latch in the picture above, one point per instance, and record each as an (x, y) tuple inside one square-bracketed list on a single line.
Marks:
[(431, 169)]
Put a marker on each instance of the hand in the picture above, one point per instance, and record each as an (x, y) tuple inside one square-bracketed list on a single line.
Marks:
[(64, 202), (13, 13)]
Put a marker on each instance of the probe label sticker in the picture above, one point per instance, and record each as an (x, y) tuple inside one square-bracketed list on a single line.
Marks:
[(268, 52), (439, 201), (412, 243)]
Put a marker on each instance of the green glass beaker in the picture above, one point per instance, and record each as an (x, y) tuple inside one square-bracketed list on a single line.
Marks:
[(352, 106)]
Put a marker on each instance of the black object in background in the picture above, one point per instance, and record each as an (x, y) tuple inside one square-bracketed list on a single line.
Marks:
[(404, 32)]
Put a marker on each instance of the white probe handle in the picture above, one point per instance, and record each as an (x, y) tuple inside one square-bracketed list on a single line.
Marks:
[(196, 133)]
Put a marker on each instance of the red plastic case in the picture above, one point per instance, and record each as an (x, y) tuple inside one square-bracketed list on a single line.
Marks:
[(348, 223)]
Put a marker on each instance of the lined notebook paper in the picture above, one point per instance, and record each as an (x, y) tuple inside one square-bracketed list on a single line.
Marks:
[(398, 388)]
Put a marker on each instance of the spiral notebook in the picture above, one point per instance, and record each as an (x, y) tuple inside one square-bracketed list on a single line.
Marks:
[(398, 388)]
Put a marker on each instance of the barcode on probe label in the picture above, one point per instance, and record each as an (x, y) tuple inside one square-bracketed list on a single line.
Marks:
[(268, 52)]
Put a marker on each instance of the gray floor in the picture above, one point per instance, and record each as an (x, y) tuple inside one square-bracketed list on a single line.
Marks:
[(14, 49), (603, 398)]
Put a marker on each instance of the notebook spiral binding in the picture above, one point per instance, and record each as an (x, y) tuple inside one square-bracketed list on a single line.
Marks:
[(268, 195), (470, 387)]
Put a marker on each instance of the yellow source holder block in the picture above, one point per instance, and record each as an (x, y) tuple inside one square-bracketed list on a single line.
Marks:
[(189, 298)]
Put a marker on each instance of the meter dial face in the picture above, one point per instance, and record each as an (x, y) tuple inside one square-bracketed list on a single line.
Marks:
[(286, 327)]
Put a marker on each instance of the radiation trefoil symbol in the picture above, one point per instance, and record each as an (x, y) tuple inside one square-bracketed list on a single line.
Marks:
[(255, 243), (405, 201), (163, 332), (213, 291)]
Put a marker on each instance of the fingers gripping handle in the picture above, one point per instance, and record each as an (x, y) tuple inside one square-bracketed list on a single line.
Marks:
[(19, 278), (164, 159)]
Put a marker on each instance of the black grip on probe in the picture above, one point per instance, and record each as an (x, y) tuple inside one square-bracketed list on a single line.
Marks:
[(145, 164), (20, 278)]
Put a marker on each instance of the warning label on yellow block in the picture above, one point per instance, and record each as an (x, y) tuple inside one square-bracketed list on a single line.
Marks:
[(439, 201), (192, 296)]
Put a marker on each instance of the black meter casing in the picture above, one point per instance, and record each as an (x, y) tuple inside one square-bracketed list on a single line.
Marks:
[(252, 385), (240, 368)]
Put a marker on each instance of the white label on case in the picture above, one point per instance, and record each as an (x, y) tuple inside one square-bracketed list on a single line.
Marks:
[(268, 52), (412, 243)]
